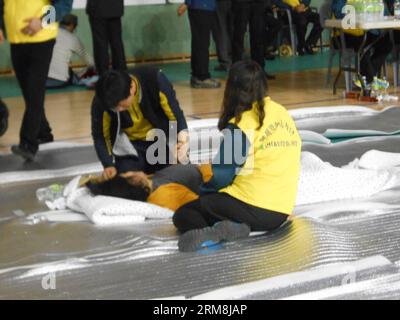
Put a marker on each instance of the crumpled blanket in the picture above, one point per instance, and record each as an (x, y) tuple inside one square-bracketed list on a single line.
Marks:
[(320, 181)]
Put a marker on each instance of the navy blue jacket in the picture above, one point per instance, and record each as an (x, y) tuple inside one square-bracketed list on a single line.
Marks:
[(209, 5)]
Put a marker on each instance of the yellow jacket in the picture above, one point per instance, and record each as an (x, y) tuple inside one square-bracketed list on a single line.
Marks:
[(15, 14), (269, 177)]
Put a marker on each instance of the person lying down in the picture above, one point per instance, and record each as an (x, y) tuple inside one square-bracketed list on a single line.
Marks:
[(170, 188)]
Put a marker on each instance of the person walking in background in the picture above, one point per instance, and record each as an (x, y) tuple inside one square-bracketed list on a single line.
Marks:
[(202, 18), (32, 45), (252, 13), (105, 23), (222, 34), (67, 44)]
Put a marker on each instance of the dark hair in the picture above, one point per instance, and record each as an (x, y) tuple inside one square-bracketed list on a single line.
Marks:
[(113, 87), (120, 188), (69, 19), (246, 85)]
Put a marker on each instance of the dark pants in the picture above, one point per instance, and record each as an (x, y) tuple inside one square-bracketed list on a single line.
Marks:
[(273, 26), (140, 163), (223, 32), (57, 84), (301, 20), (215, 207), (201, 24), (3, 118), (254, 15), (31, 65), (373, 60), (105, 33)]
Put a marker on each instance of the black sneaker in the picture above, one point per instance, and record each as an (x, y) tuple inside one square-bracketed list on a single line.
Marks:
[(46, 139), (23, 152), (231, 231), (204, 84), (269, 56), (199, 239)]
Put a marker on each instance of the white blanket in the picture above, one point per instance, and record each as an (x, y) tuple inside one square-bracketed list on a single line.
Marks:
[(104, 210), (100, 210), (319, 181)]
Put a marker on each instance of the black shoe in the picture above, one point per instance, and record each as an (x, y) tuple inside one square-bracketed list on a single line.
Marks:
[(23, 152), (269, 56), (309, 50), (270, 76), (301, 51), (46, 139)]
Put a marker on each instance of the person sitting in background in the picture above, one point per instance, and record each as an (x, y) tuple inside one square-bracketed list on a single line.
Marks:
[(274, 26), (373, 60), (3, 118), (302, 16), (67, 44)]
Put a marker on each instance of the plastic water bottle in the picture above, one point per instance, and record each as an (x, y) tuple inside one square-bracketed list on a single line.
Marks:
[(50, 193), (366, 87), (396, 8)]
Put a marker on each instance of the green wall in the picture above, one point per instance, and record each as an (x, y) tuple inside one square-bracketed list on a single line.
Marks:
[(151, 31)]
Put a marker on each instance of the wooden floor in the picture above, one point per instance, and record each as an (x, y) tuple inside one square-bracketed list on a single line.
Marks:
[(69, 113)]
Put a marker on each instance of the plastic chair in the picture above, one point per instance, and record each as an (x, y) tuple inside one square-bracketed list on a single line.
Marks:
[(291, 26)]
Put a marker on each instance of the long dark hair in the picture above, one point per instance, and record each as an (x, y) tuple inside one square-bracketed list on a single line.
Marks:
[(246, 84), (120, 188)]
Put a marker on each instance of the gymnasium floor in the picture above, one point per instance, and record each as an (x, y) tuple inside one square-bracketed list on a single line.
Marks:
[(338, 249)]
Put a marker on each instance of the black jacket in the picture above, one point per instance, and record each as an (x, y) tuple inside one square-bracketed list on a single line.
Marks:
[(105, 8), (152, 82)]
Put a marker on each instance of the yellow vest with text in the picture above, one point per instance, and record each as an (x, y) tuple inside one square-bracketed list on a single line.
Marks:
[(270, 174), (15, 14)]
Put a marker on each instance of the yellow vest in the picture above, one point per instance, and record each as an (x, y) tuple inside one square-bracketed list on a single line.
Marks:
[(141, 126), (270, 174), (15, 14)]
